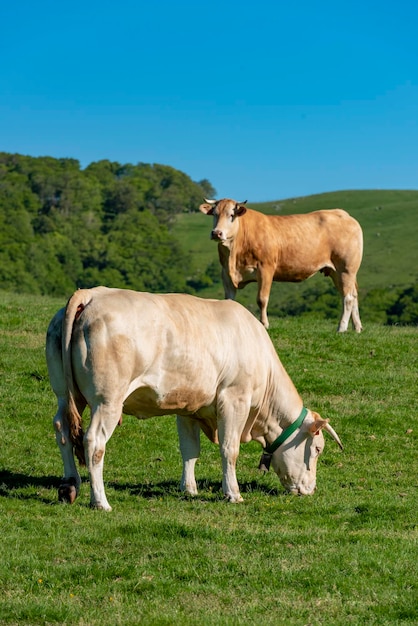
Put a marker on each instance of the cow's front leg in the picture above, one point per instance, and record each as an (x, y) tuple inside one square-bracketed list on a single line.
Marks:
[(230, 290), (265, 280), (104, 420), (189, 439), (70, 484), (229, 440)]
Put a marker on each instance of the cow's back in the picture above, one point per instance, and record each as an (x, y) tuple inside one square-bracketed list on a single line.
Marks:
[(297, 246), (331, 225), (167, 353)]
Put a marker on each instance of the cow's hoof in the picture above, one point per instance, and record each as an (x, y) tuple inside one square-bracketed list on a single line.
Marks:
[(234, 499), (67, 491), (100, 507), (190, 492)]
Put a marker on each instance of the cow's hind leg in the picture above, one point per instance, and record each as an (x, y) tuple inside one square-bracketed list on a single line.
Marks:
[(189, 439), (104, 419), (355, 315), (70, 483), (347, 286)]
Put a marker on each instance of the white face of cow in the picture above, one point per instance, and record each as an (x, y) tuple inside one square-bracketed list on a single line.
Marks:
[(225, 214), (295, 463), (295, 460)]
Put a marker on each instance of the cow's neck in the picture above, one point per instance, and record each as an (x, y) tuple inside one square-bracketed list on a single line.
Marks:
[(233, 262), (282, 418), (287, 432), (281, 407)]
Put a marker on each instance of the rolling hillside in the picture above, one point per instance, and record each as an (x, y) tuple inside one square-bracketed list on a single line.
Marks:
[(390, 224)]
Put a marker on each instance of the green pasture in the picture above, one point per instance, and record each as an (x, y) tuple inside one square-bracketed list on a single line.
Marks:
[(347, 555), (389, 221)]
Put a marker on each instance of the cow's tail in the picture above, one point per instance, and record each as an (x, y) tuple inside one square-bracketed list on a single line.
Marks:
[(75, 306)]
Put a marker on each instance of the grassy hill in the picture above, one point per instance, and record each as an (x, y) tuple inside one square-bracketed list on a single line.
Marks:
[(389, 220)]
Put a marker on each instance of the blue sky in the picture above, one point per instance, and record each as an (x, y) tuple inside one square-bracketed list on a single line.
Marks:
[(268, 100)]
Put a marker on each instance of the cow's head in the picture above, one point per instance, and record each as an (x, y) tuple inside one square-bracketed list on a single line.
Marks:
[(225, 213), (295, 460)]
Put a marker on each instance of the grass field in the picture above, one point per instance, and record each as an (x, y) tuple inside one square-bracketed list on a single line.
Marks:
[(347, 555)]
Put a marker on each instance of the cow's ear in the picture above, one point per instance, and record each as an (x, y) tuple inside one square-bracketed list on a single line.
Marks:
[(317, 425), (240, 209), (207, 208)]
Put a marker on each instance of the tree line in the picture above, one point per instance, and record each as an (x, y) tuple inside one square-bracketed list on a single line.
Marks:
[(63, 227)]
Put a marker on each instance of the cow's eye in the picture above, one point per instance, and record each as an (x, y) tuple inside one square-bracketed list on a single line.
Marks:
[(318, 450)]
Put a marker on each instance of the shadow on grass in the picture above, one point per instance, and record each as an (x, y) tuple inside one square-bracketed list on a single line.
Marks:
[(26, 487), (207, 489), (12, 480), (14, 484)]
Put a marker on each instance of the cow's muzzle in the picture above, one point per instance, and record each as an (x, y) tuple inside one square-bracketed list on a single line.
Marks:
[(217, 235), (301, 490)]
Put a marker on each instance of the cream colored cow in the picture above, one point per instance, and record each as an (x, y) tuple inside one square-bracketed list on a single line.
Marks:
[(210, 362)]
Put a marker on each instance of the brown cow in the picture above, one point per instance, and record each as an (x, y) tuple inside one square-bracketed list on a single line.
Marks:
[(254, 247)]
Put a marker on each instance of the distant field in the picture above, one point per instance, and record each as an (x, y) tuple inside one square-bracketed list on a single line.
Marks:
[(346, 555), (390, 224)]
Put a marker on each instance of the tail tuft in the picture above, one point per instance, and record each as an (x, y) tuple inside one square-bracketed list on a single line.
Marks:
[(76, 430)]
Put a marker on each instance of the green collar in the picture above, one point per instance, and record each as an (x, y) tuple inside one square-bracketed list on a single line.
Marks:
[(286, 433)]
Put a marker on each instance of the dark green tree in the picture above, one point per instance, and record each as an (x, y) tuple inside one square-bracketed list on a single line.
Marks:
[(62, 227), (405, 308)]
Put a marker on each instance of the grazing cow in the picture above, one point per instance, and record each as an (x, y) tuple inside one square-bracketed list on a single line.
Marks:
[(254, 247), (210, 362)]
